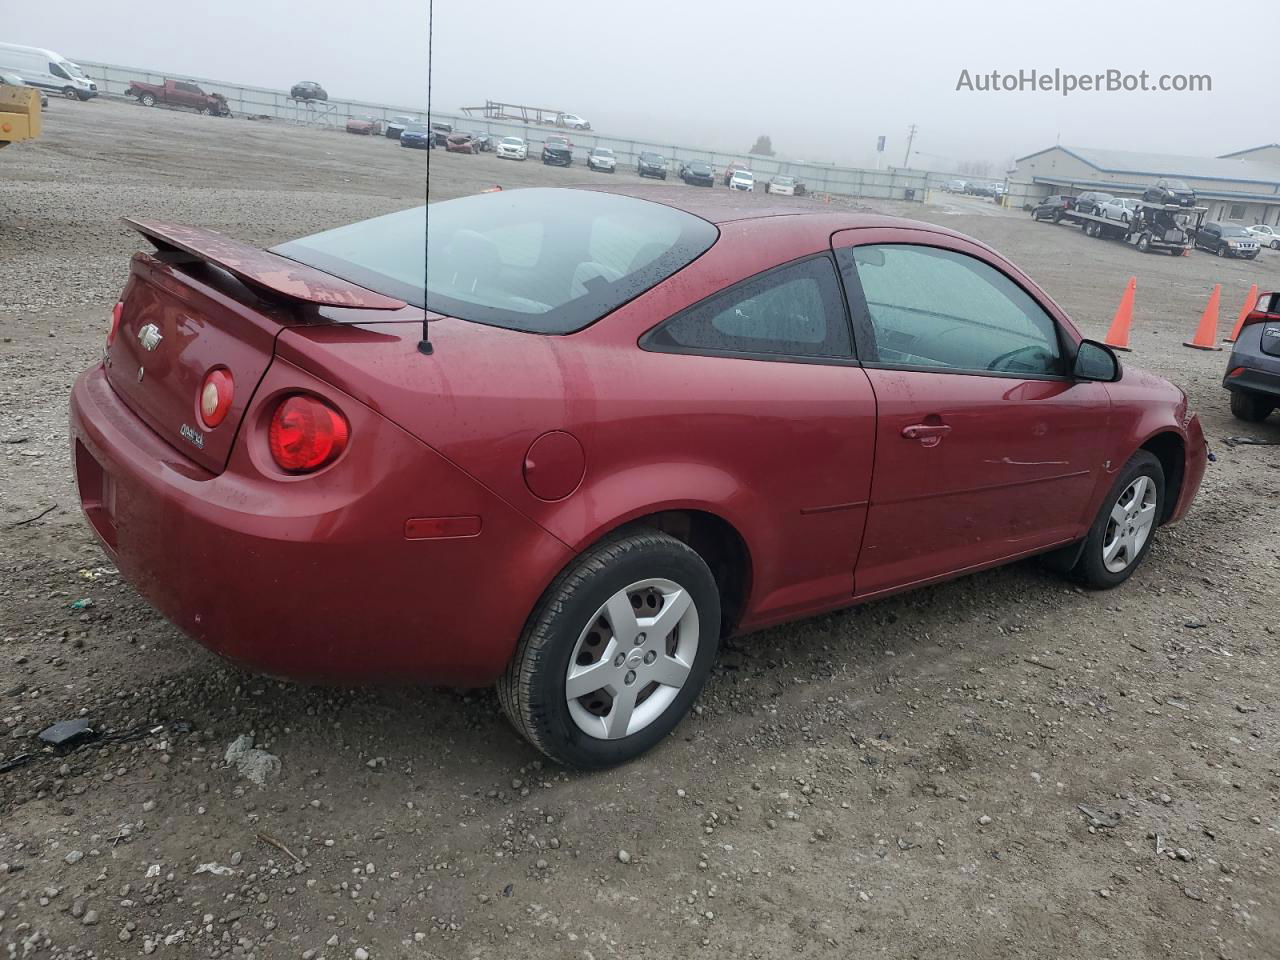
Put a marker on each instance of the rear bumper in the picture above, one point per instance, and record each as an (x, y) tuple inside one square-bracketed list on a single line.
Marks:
[(1254, 380), (312, 578)]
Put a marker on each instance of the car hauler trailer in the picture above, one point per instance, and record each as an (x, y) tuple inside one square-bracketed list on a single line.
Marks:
[(1153, 226)]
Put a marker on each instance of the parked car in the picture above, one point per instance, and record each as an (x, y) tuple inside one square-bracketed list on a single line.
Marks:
[(1118, 208), (1167, 190), (308, 90), (742, 180), (954, 186), (440, 131), (456, 142), (381, 524), (697, 173), (572, 121), (47, 70), (179, 93), (484, 142), (1091, 201), (731, 169), (785, 186), (1052, 208), (418, 136), (365, 126), (557, 151), (650, 164), (1226, 240), (512, 148), (602, 158), (13, 80), (1253, 369), (1266, 236), (396, 125), (977, 188)]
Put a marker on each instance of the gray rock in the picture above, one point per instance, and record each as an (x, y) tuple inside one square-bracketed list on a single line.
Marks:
[(253, 764)]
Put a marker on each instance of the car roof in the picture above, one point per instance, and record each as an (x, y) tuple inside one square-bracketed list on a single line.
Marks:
[(729, 206)]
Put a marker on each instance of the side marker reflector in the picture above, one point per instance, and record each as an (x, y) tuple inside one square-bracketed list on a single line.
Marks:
[(441, 528)]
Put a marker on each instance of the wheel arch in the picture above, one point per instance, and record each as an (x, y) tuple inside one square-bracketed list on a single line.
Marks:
[(1170, 448)]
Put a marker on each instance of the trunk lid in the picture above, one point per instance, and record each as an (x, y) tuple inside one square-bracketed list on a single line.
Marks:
[(204, 302)]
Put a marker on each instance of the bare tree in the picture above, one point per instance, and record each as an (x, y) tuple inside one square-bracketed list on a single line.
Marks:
[(763, 146), (975, 168)]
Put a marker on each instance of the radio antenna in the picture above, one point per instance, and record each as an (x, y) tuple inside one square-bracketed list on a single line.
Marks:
[(424, 345)]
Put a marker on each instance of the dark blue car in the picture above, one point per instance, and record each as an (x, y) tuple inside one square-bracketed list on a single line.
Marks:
[(416, 135)]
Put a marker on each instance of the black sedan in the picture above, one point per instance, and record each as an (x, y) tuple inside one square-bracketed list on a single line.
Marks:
[(558, 151), (1052, 208), (652, 165), (698, 174), (308, 90), (1166, 190)]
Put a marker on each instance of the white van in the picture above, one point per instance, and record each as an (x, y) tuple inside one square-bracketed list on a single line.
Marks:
[(47, 70)]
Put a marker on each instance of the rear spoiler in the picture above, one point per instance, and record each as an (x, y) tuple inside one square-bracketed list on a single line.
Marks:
[(262, 270)]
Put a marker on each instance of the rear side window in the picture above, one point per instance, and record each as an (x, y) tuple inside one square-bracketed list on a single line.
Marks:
[(933, 308), (794, 311)]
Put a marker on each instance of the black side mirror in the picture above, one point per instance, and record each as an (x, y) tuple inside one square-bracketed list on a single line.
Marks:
[(1096, 361)]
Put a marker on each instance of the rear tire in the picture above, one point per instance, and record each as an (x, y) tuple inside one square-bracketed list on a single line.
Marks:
[(1250, 407), (1126, 525), (1144, 243), (575, 633)]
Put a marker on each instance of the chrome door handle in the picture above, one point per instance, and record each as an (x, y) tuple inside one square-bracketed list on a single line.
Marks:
[(925, 431)]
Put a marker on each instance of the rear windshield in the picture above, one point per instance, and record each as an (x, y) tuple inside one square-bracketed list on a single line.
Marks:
[(602, 152), (552, 260), (383, 254)]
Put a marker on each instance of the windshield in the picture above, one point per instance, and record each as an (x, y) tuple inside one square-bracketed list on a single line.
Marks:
[(415, 128), (784, 181), (383, 254), (551, 260), (1177, 185), (743, 175), (72, 69), (602, 152), (1230, 231), (513, 141)]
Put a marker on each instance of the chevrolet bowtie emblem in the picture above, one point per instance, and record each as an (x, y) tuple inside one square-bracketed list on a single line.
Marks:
[(150, 336)]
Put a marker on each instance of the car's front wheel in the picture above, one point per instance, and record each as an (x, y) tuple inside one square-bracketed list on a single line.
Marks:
[(616, 652), (1125, 526), (147, 100), (1222, 251), (1249, 406)]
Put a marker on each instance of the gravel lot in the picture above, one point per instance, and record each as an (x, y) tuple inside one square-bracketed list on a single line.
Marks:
[(1003, 766)]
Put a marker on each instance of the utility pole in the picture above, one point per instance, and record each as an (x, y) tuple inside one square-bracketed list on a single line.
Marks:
[(911, 135)]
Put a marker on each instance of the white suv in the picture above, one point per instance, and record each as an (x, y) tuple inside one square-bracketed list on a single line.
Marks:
[(742, 180)]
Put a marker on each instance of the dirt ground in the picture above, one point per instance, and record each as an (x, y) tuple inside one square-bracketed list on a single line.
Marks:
[(1003, 766)]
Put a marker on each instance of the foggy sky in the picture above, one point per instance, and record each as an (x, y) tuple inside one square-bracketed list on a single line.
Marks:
[(823, 80)]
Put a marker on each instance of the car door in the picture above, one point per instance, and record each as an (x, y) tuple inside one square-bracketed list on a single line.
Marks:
[(788, 417), (985, 449)]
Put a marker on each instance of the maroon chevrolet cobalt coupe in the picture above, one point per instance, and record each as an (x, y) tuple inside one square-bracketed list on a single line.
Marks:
[(642, 424)]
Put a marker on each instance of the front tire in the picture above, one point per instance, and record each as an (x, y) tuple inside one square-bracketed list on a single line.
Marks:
[(1125, 526), (147, 100), (71, 93), (1250, 407), (615, 653)]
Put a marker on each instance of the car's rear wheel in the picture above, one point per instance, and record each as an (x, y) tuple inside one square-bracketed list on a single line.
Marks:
[(1125, 527), (1250, 406), (617, 650), (1144, 243), (1057, 216)]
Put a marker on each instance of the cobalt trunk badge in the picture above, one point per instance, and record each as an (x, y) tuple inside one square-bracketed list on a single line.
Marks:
[(150, 336)]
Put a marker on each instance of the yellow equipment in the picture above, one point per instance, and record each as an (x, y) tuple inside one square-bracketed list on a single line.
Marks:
[(19, 114)]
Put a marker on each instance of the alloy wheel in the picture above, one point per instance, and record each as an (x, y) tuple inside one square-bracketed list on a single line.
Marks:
[(1130, 524), (632, 659)]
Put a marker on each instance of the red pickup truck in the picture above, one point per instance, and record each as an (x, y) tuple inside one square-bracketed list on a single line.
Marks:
[(179, 93)]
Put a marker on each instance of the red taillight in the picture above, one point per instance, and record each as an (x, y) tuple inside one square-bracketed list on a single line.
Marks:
[(116, 312), (1235, 373), (306, 433), (215, 396), (1258, 316)]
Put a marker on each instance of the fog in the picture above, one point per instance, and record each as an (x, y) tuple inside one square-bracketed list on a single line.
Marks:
[(822, 80)]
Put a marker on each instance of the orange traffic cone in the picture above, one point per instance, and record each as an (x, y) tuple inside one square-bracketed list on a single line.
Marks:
[(1249, 301), (1118, 336), (1207, 333)]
